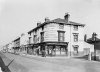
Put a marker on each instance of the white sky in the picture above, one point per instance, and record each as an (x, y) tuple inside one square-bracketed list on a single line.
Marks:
[(18, 16)]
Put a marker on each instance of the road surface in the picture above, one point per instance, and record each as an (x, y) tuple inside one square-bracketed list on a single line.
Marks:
[(42, 64)]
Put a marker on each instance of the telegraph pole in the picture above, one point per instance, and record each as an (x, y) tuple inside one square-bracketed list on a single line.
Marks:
[(94, 45)]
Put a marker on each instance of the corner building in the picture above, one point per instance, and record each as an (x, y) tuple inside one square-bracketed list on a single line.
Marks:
[(58, 37)]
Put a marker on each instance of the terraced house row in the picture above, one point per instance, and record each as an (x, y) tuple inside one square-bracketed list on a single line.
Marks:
[(58, 37)]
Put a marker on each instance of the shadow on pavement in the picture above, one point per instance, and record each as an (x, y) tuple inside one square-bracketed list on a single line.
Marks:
[(14, 65), (85, 57), (4, 68)]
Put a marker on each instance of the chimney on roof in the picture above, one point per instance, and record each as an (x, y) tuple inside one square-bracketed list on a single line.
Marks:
[(47, 19), (38, 23), (85, 37), (66, 17), (94, 35)]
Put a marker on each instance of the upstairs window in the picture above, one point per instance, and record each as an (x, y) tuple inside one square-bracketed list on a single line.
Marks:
[(75, 27), (61, 26), (42, 36), (35, 31), (42, 28), (29, 40), (35, 38), (75, 35), (61, 36)]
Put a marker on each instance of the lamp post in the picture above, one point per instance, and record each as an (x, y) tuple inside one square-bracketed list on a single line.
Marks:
[(29, 44), (94, 37), (70, 40)]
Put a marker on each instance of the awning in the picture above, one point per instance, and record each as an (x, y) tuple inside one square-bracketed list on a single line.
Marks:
[(57, 43), (91, 41)]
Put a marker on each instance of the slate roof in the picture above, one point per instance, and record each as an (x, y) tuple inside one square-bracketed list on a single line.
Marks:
[(58, 20), (17, 39)]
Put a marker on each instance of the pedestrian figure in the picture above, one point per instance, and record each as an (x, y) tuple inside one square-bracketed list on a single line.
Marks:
[(43, 53)]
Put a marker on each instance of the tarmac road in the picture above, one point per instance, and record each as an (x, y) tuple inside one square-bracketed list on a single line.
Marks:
[(42, 64)]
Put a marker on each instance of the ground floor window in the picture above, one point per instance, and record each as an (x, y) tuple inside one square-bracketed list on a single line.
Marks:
[(75, 48), (53, 50), (61, 50), (50, 50)]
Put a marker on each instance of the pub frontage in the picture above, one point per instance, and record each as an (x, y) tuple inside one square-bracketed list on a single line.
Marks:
[(49, 49)]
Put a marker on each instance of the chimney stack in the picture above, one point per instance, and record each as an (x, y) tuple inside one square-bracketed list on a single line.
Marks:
[(47, 19), (94, 35), (85, 37), (66, 17)]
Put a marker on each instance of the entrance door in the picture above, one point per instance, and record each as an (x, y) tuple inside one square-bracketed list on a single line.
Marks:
[(58, 50), (75, 48)]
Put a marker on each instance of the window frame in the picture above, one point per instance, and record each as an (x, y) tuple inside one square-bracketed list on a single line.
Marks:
[(61, 26), (76, 27), (35, 39), (76, 48), (61, 38), (42, 36), (76, 37)]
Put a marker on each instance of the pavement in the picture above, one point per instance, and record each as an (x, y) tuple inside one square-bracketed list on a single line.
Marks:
[(3, 67), (31, 63)]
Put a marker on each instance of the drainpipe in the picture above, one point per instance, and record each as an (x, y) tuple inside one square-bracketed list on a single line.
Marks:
[(95, 49), (70, 40)]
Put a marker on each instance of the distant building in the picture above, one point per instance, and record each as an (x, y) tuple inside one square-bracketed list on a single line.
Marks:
[(16, 45), (5, 48), (24, 40), (95, 42), (11, 47), (57, 37)]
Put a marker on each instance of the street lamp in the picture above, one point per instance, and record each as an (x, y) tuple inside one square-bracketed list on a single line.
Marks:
[(94, 38), (29, 44)]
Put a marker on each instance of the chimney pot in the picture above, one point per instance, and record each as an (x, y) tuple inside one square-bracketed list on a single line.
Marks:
[(66, 17), (47, 19)]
